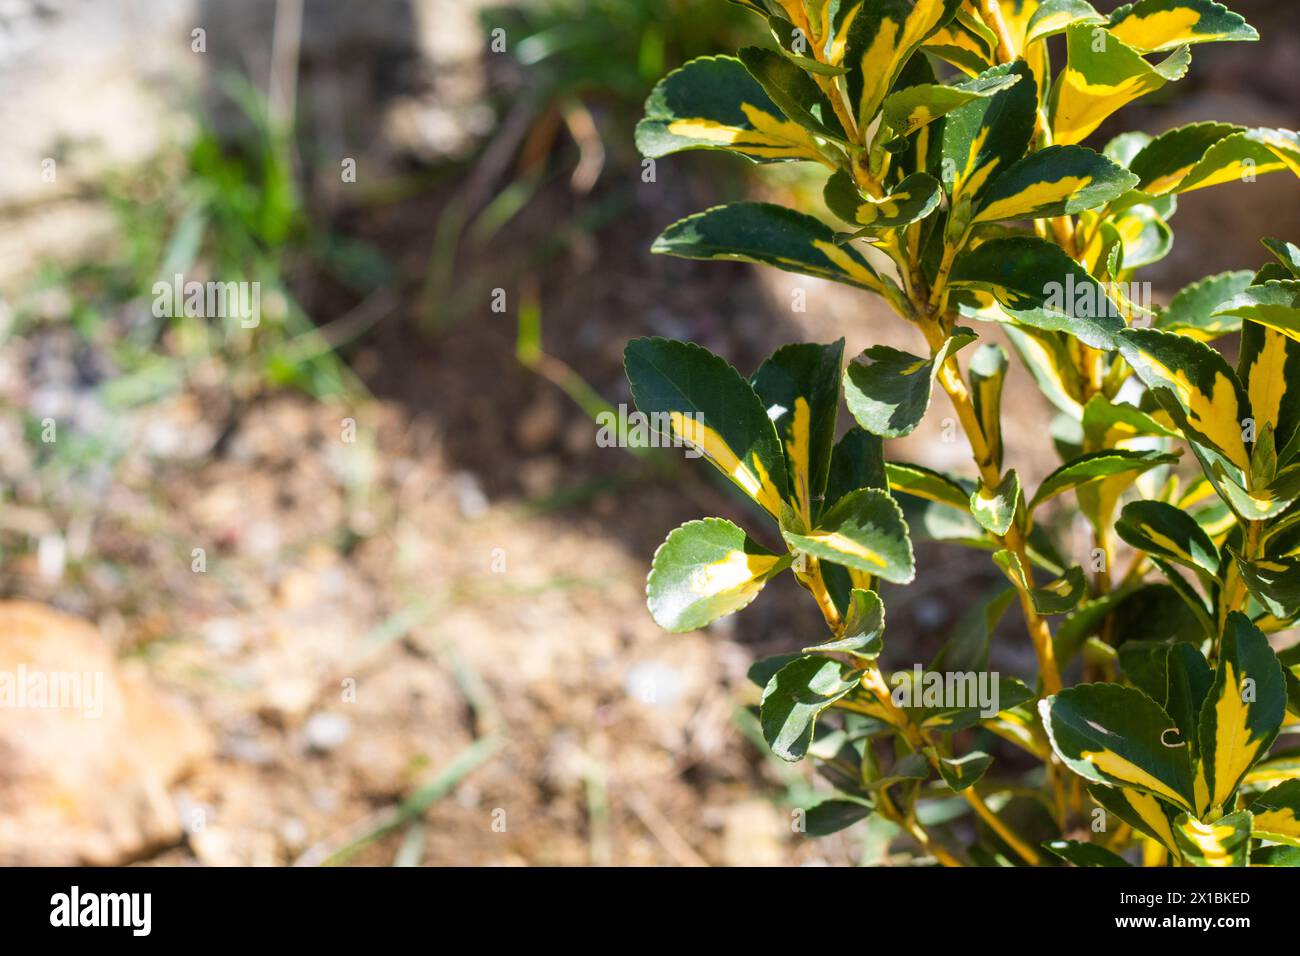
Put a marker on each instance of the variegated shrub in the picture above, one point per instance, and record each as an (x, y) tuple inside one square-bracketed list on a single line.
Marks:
[(964, 202)]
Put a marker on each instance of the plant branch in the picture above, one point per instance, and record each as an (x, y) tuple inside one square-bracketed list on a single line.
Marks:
[(1234, 588), (1013, 540), (920, 741), (991, 14)]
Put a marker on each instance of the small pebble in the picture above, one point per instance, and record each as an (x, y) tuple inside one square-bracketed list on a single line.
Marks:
[(325, 732)]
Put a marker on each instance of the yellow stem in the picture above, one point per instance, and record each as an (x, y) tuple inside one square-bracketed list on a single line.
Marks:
[(991, 14), (831, 87), (812, 579), (1063, 229), (939, 291), (915, 831), (1013, 540), (920, 741), (1028, 853), (1234, 588)]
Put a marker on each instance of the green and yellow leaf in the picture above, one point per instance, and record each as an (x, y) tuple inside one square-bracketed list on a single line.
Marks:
[(1139, 810), (693, 395), (1056, 181), (714, 103), (1057, 597), (1016, 16), (1195, 385), (1165, 161), (1273, 582), (888, 390), (1054, 16), (986, 136), (864, 627), (1229, 481), (1269, 364), (908, 109), (995, 508), (1144, 236), (1193, 312), (1275, 305), (1111, 734), (1102, 74), (1241, 714), (1041, 286), (929, 709), (1046, 355), (705, 570), (1243, 156), (770, 235), (1098, 466), (987, 372), (1161, 529), (963, 45), (800, 388), (965, 771), (1277, 814), (863, 530), (1287, 254), (794, 92), (907, 478), (1225, 842), (1153, 26), (1108, 424), (913, 199), (1276, 768), (796, 47), (881, 38)]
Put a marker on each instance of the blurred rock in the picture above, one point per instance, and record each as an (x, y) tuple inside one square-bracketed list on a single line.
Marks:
[(88, 746), (654, 683), (325, 732), (470, 499)]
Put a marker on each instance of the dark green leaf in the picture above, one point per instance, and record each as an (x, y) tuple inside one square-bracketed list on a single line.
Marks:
[(794, 698), (770, 235), (1084, 854), (800, 388), (962, 772), (831, 816), (693, 395), (864, 625), (1112, 734), (1161, 529)]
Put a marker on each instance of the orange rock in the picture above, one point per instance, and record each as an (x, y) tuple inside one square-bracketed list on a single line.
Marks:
[(88, 746)]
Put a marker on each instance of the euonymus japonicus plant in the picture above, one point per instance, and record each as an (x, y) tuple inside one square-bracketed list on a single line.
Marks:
[(966, 199)]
